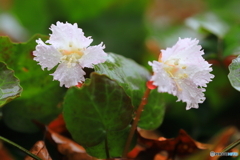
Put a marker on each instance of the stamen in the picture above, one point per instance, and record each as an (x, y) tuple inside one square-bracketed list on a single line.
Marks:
[(173, 68), (64, 52), (71, 57)]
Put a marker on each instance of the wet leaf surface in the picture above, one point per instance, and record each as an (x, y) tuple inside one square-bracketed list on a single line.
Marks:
[(98, 116), (9, 85), (234, 75), (133, 77), (38, 100), (127, 73)]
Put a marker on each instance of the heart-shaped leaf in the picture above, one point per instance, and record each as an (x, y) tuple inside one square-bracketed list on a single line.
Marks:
[(127, 73), (114, 146), (96, 114), (133, 77)]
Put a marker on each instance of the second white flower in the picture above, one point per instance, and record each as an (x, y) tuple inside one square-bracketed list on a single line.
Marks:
[(182, 72)]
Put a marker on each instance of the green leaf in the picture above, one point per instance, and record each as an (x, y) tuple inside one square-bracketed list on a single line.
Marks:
[(234, 75), (153, 112), (205, 21), (114, 146), (97, 113), (133, 77), (38, 100), (9, 85), (128, 74)]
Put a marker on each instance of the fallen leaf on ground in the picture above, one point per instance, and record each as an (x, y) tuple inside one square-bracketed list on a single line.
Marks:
[(149, 134), (182, 145), (40, 150), (222, 141), (69, 148)]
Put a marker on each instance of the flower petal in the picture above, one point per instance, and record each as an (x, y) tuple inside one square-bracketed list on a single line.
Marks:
[(93, 55), (46, 55), (184, 49), (162, 79), (69, 76), (190, 93), (199, 73), (182, 71), (65, 36)]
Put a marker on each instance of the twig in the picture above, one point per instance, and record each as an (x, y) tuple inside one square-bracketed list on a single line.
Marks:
[(21, 148), (135, 122), (231, 146)]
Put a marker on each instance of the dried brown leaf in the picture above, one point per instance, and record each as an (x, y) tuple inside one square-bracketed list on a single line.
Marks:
[(40, 150), (182, 145), (222, 141), (69, 148)]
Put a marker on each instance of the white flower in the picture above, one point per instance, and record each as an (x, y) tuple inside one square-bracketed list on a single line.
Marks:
[(182, 72), (69, 47)]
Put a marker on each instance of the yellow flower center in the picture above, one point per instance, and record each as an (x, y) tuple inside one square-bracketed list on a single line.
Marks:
[(71, 57), (175, 70)]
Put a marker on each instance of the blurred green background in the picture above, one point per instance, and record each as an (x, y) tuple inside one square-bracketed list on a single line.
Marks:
[(138, 29)]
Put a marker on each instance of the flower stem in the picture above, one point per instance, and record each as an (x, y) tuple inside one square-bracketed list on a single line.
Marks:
[(231, 146), (135, 122), (21, 148)]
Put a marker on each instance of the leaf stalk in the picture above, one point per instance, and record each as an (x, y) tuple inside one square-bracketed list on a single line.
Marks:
[(21, 148), (231, 146), (135, 122)]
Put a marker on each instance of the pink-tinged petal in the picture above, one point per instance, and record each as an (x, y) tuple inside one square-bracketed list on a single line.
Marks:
[(184, 49), (161, 79), (182, 71), (66, 36), (69, 76), (46, 55), (93, 55), (200, 74)]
